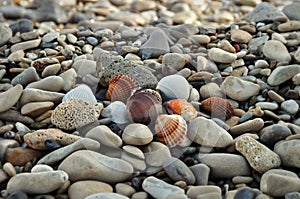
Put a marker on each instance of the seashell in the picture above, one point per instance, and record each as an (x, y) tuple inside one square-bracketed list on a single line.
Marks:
[(217, 107), (120, 87), (81, 92), (183, 108), (116, 111), (170, 129), (144, 106), (174, 86)]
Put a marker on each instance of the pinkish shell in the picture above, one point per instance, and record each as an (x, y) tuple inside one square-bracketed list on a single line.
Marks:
[(217, 107), (144, 106), (182, 107), (170, 129)]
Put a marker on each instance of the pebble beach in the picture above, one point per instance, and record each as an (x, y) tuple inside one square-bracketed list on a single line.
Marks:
[(142, 99)]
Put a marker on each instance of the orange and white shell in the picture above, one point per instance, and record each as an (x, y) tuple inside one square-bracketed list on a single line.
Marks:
[(120, 87), (170, 129), (217, 107), (182, 107)]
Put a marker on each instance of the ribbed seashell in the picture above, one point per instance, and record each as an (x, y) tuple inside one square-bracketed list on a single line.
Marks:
[(81, 92), (144, 106), (120, 87), (182, 107), (217, 107), (170, 129)]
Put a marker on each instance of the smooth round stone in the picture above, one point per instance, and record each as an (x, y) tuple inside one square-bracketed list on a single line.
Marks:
[(260, 157), (226, 45), (240, 36), (5, 34), (200, 39), (69, 78), (238, 89), (172, 63), (289, 26), (124, 189), (27, 76), (19, 156), (271, 134), (201, 173), (105, 136), (195, 191), (287, 151), (174, 86), (245, 192), (35, 109), (155, 153), (137, 134), (276, 50), (221, 56), (267, 105), (290, 106), (10, 97), (106, 196), (291, 10), (156, 45), (225, 165), (278, 182), (82, 189), (41, 168), (38, 184), (177, 170), (9, 169), (211, 89), (296, 78), (15, 116), (100, 167), (261, 64), (160, 189), (199, 131), (51, 83)]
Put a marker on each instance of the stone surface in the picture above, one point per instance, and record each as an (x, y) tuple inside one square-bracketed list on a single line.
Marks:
[(19, 156), (260, 157), (238, 89), (90, 165), (291, 11), (240, 36), (156, 153), (26, 45), (106, 196), (287, 151)]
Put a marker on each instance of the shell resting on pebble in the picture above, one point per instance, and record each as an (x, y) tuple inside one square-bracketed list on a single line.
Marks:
[(170, 129), (81, 92), (217, 107), (120, 87), (144, 106), (182, 107)]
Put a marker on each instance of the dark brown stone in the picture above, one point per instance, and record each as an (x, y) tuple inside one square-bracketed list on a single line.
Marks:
[(20, 156)]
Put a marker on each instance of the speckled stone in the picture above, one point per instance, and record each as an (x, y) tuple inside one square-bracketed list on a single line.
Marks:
[(260, 157)]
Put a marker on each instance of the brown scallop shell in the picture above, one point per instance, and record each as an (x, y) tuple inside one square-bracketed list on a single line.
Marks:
[(120, 87), (217, 107), (144, 106), (170, 129)]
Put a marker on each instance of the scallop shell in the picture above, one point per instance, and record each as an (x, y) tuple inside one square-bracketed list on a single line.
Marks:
[(182, 107), (120, 87), (217, 107), (81, 92), (144, 106), (170, 129)]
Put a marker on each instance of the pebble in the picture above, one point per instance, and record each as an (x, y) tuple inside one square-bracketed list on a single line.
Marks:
[(242, 179), (155, 154), (9, 169), (10, 97), (25, 45), (246, 192), (82, 189), (195, 192), (217, 138), (59, 154), (51, 70), (19, 156), (140, 195), (278, 182), (69, 78), (225, 165), (267, 105), (287, 151), (16, 56), (106, 196), (238, 89), (160, 189), (101, 167), (18, 195), (211, 89), (290, 106), (5, 34), (248, 126), (137, 134), (282, 73), (49, 37), (291, 11), (177, 170), (124, 189), (173, 62), (56, 82), (221, 56), (15, 116), (201, 173), (260, 157), (289, 26), (35, 109), (272, 134), (19, 182), (41, 168), (275, 96), (27, 76), (105, 136), (283, 54), (240, 36), (134, 156), (292, 195), (22, 26)]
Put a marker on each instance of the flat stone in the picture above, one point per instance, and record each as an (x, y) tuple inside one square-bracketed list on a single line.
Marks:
[(267, 105), (27, 76), (26, 45), (257, 42), (137, 134), (15, 116), (246, 192), (105, 136), (201, 173), (283, 73), (238, 89), (240, 36), (260, 157), (273, 133), (275, 50), (160, 189), (133, 157), (83, 189), (248, 126), (10, 97), (90, 165), (177, 170), (51, 83), (5, 34), (221, 56), (194, 191), (290, 106), (278, 182), (38, 184), (35, 109), (207, 133), (124, 189), (19, 156), (289, 26), (50, 36), (18, 195), (287, 151), (225, 165)]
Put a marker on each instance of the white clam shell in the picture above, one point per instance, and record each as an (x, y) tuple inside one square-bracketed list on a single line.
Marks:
[(81, 92)]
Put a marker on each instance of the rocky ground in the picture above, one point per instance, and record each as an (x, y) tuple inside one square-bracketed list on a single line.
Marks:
[(166, 99)]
